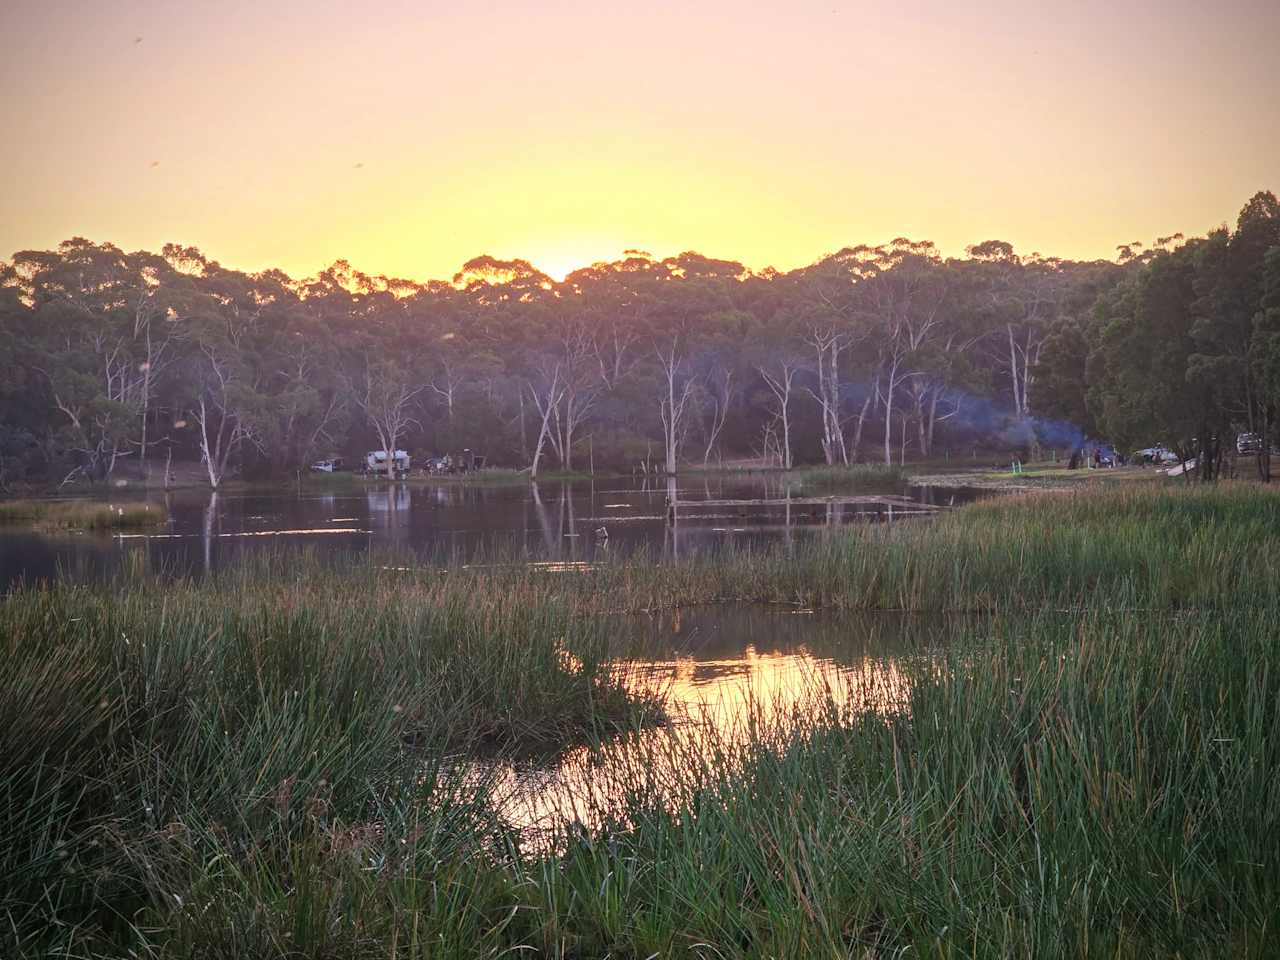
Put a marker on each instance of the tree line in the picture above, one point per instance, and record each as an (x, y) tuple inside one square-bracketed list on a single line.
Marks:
[(116, 360), (1184, 350)]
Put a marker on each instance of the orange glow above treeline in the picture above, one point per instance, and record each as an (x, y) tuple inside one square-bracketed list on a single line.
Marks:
[(411, 138)]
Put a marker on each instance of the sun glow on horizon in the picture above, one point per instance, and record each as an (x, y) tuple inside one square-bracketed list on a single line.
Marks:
[(559, 264), (571, 133)]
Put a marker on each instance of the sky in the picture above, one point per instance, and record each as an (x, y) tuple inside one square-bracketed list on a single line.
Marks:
[(408, 137)]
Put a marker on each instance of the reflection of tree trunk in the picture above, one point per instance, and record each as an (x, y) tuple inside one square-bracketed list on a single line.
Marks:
[(672, 538), (210, 515), (566, 495), (549, 539)]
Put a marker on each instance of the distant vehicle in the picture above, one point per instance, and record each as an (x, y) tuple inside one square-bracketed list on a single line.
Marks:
[(329, 465), (1248, 443), (1158, 455), (375, 464)]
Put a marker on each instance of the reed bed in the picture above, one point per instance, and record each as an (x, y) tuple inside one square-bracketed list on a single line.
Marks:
[(150, 720), (854, 477), (81, 514), (1055, 788), (1122, 548), (273, 762)]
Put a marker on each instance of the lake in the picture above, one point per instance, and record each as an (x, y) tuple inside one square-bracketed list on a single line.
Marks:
[(456, 523), (713, 666)]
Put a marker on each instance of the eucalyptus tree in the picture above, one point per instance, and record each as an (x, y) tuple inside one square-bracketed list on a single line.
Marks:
[(1265, 357), (721, 366), (679, 298), (1140, 358), (779, 361), (830, 323), (902, 293), (1229, 288), (228, 363), (85, 346)]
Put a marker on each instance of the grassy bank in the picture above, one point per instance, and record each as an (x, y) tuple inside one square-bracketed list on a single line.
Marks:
[(858, 477), (1148, 548), (1059, 788), (1037, 476), (151, 730), (81, 514), (269, 763)]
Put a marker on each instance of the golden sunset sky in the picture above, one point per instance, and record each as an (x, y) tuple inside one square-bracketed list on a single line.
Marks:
[(408, 137)]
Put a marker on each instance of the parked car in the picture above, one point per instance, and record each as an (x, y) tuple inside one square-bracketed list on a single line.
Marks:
[(329, 465), (1248, 443), (1158, 455)]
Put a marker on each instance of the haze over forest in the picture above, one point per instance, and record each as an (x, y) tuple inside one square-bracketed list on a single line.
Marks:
[(875, 353), (210, 160)]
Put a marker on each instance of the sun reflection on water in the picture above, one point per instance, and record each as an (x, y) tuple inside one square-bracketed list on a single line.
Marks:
[(716, 707)]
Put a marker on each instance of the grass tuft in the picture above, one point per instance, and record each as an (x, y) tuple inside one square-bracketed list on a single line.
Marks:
[(81, 514)]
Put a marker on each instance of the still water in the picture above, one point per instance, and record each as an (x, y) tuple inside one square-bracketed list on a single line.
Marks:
[(717, 669), (456, 523), (727, 674)]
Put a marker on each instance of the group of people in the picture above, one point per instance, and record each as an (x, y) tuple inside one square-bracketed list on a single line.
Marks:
[(1096, 461)]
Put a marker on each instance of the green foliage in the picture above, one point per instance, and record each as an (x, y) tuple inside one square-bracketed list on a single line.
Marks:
[(275, 761), (120, 360), (1179, 352), (158, 738)]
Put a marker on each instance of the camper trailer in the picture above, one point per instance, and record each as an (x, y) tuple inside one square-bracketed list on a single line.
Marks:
[(375, 464)]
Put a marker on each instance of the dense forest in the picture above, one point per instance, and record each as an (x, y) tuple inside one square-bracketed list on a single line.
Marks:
[(118, 362)]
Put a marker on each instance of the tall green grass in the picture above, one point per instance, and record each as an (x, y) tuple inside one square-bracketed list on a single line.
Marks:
[(1056, 788), (1053, 788), (275, 761), (1132, 548), (150, 729)]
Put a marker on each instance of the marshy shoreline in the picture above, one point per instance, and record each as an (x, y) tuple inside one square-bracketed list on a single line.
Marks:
[(82, 514), (266, 762)]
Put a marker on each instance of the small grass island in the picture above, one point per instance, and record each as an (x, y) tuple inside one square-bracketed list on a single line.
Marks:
[(81, 514)]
